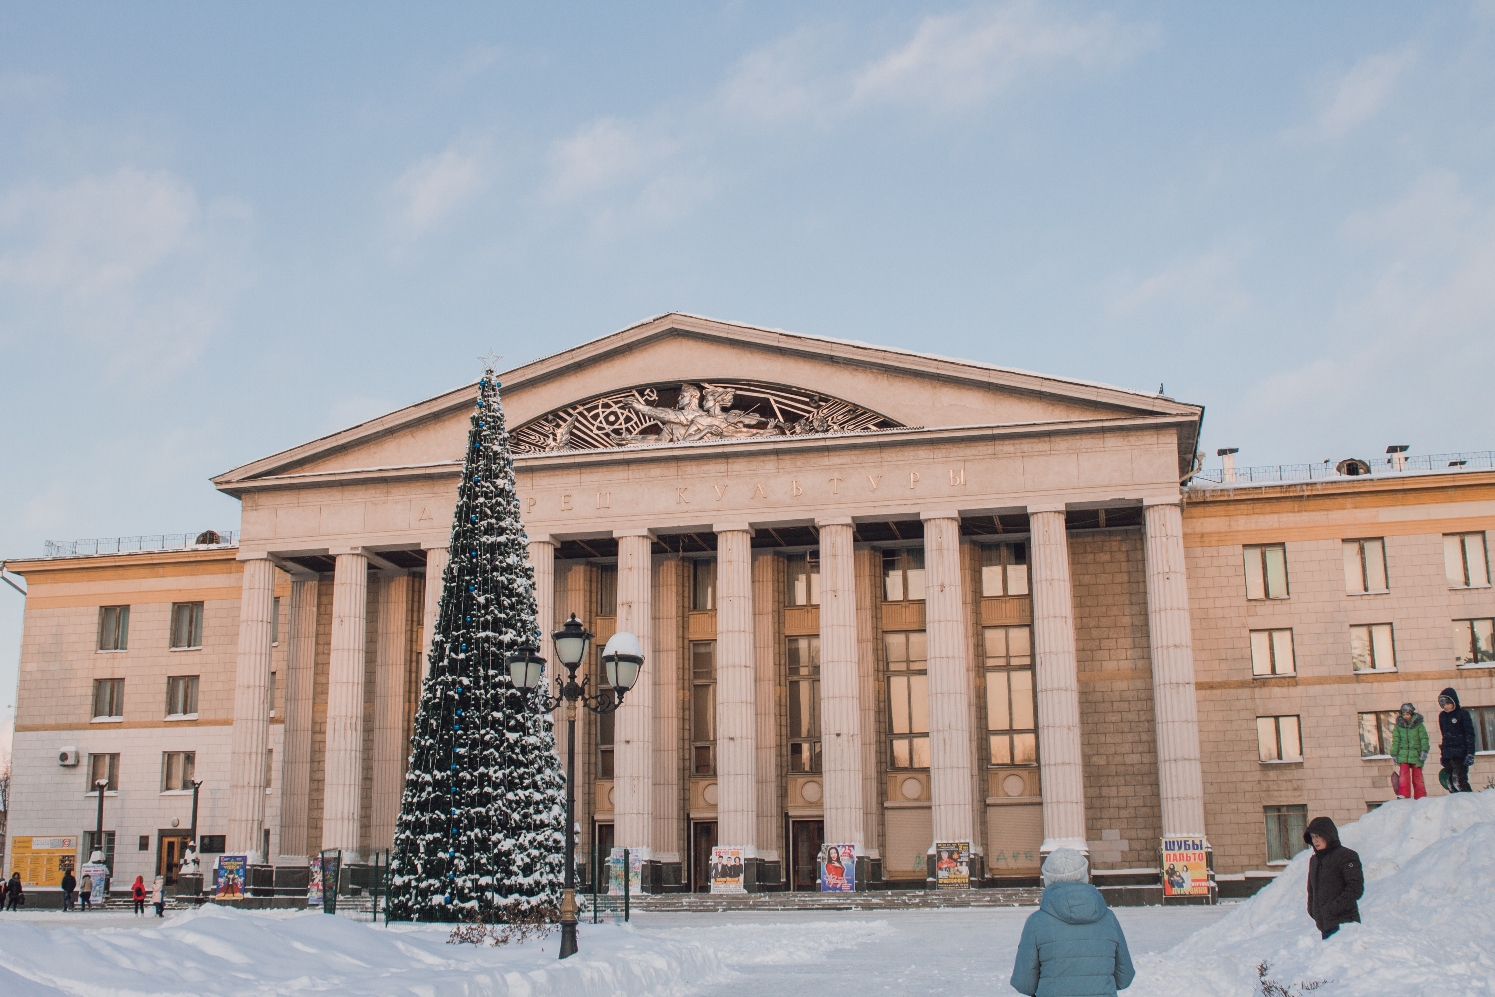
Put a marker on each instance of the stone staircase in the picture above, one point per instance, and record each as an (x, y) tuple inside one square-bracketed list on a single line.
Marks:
[(870, 900)]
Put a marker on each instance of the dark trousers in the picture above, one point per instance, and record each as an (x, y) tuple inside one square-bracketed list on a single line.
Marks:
[(86, 896), (1326, 932), (1458, 776), (160, 908), (67, 899), (140, 906)]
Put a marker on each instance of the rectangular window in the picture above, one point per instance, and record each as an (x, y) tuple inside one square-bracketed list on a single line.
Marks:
[(1285, 827), (1010, 704), (908, 700), (1372, 648), (1484, 727), (703, 705), (903, 575), (176, 770), (605, 726), (802, 579), (103, 767), (90, 845), (213, 844), (269, 769), (1266, 572), (607, 590), (702, 585), (181, 696), (1278, 740), (1272, 652), (271, 694), (804, 703), (1473, 642), (275, 621), (114, 628), (1375, 733), (108, 698), (1364, 566), (186, 625), (1004, 569), (1466, 561)]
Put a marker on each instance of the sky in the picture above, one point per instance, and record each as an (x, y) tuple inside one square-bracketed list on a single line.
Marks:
[(229, 229)]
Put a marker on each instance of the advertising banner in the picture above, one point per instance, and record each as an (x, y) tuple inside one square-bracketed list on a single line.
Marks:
[(952, 865), (231, 869), (615, 873), (838, 869), (314, 882), (727, 870), (1185, 867), (42, 861)]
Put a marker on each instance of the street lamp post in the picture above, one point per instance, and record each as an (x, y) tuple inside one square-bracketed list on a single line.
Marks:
[(622, 659), (196, 788), (98, 834)]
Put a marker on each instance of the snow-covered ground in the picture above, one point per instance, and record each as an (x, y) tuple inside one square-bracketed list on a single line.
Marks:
[(1429, 920)]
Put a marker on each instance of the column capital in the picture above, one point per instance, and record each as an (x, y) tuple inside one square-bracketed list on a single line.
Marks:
[(1051, 507), (433, 545), (1148, 503), (732, 528), (929, 514), (542, 538), (254, 555), (642, 532), (834, 521), (339, 551)]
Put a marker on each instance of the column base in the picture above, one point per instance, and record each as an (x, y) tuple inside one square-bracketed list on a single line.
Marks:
[(188, 884), (657, 876), (292, 879)]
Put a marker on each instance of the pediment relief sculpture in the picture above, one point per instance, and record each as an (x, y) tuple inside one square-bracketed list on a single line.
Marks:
[(694, 411)]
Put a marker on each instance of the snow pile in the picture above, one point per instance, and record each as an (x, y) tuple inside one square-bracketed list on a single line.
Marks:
[(217, 952), (1428, 916)]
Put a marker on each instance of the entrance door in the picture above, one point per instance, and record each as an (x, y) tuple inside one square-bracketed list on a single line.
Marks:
[(702, 840), (169, 855), (603, 836), (808, 836)]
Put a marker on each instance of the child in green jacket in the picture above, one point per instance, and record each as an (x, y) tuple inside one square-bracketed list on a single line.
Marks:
[(1409, 749)]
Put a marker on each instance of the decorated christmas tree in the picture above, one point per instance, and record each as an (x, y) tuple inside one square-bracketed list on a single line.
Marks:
[(480, 833)]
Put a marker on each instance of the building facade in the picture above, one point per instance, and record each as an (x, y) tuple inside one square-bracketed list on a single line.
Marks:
[(886, 600)]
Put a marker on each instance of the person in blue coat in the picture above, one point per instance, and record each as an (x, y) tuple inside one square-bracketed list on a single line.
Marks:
[(1072, 946)]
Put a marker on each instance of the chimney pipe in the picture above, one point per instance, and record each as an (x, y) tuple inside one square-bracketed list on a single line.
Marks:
[(1227, 462), (1398, 458)]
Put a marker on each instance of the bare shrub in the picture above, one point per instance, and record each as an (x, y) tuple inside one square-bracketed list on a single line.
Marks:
[(1271, 988), (520, 925)]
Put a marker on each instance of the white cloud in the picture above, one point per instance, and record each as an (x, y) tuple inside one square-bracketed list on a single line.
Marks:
[(1208, 284), (433, 189), (604, 154), (1360, 93), (784, 81)]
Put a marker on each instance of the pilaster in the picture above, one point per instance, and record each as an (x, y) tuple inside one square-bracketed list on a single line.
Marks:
[(295, 782), (390, 748)]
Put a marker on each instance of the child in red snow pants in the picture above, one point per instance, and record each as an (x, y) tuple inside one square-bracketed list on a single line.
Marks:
[(1410, 781)]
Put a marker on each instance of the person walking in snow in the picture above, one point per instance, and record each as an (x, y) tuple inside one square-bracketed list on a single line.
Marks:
[(1072, 945), (1335, 879), (1409, 749), (137, 894), (1457, 750), (85, 891), (158, 896), (15, 894), (69, 884)]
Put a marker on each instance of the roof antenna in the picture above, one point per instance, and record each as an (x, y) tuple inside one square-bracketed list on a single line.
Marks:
[(1160, 387)]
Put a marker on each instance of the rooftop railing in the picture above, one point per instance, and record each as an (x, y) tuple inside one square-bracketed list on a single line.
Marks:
[(157, 541), (1381, 467)]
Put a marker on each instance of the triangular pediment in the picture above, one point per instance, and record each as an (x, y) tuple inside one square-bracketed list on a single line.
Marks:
[(635, 387)]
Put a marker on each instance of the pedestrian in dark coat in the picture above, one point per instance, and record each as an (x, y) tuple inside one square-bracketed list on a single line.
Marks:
[(1457, 749), (69, 884), (1335, 879), (15, 895)]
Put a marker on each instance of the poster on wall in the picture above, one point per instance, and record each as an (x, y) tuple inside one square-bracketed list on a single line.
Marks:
[(231, 876), (952, 865), (314, 882), (727, 870), (838, 869), (615, 873), (1185, 867), (42, 861)]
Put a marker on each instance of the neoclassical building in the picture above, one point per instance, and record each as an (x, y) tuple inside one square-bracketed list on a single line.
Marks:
[(886, 599)]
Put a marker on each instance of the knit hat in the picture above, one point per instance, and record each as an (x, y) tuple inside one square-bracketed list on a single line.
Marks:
[(1408, 708), (1065, 865)]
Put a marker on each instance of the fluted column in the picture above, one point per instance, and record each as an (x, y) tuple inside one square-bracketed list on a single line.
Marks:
[(950, 754), (633, 731), (869, 650), (436, 560), (251, 732), (767, 586), (344, 758), (542, 557), (295, 780), (1175, 708), (840, 709), (1058, 685), (664, 667), (390, 747), (736, 715)]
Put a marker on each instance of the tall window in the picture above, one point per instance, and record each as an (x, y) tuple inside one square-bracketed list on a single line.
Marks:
[(269, 769), (1484, 727), (275, 621), (903, 575), (1272, 652), (1004, 569), (605, 726), (703, 707), (186, 624), (1375, 733), (802, 579), (181, 696), (108, 698), (607, 590), (702, 585), (1285, 827), (1009, 695), (1364, 566), (804, 704), (271, 693), (908, 700), (1372, 648), (90, 845), (1278, 739), (1266, 572), (105, 767), (176, 770), (1465, 560), (114, 628), (1473, 642)]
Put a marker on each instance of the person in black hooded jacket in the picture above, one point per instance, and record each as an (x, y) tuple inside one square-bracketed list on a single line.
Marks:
[(1457, 749), (1335, 879)]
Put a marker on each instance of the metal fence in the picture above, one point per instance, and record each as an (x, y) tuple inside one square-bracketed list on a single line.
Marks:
[(1328, 470), (157, 541)]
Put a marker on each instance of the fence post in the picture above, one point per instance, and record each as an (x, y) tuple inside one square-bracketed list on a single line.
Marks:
[(596, 875), (627, 882)]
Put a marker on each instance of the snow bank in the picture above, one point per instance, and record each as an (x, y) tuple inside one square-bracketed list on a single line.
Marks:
[(1428, 916), (218, 952)]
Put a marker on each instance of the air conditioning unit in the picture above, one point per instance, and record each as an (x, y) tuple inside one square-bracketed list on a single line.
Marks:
[(68, 757)]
